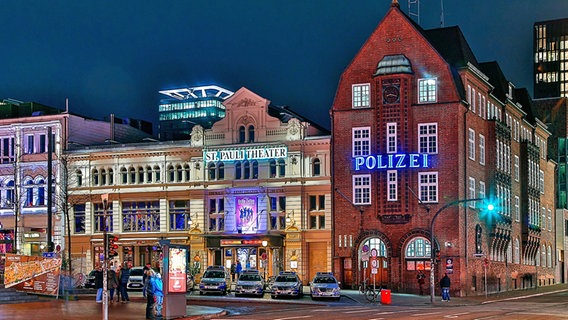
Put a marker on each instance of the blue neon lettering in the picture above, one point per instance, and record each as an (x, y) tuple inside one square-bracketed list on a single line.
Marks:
[(401, 158), (371, 162), (391, 161), (358, 162), (414, 160)]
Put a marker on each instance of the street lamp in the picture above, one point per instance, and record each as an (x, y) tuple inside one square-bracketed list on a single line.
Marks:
[(490, 207), (264, 257)]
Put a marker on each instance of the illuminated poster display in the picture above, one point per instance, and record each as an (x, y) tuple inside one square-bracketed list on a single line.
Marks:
[(246, 214), (177, 269)]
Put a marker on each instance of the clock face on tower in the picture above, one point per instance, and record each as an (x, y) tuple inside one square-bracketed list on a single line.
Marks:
[(391, 94)]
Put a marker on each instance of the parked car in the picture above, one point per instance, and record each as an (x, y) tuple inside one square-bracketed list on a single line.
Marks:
[(250, 283), (287, 284), (214, 280), (324, 285), (90, 280), (135, 280)]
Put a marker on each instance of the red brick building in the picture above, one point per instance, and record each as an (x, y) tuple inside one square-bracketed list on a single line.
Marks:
[(419, 126)]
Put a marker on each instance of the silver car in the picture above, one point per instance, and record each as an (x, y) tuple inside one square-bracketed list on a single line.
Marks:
[(287, 284), (250, 283), (324, 285)]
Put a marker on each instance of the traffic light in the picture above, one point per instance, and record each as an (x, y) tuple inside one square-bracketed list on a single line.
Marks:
[(489, 211), (112, 246)]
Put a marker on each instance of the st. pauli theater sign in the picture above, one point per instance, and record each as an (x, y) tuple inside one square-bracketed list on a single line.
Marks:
[(392, 161), (252, 153)]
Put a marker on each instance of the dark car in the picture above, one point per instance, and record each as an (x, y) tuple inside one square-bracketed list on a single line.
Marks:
[(214, 280), (287, 284), (90, 280)]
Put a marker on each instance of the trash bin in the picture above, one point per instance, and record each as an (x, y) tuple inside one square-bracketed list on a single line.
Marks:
[(385, 296)]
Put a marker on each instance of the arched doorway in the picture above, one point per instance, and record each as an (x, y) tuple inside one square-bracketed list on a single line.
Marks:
[(373, 262)]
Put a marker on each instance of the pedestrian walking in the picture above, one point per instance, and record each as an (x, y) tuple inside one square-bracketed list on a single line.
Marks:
[(239, 269), (118, 286), (420, 277), (124, 275), (99, 283), (112, 283), (445, 285), (155, 291), (233, 271)]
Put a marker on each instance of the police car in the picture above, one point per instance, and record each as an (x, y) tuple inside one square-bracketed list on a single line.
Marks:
[(250, 283), (214, 280), (324, 285), (287, 284)]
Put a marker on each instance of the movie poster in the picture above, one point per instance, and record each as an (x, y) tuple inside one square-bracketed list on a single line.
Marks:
[(32, 274), (246, 215), (177, 269)]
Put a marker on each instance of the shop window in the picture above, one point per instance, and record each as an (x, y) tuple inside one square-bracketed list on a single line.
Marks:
[(418, 254), (143, 216), (179, 215), (79, 216), (99, 217)]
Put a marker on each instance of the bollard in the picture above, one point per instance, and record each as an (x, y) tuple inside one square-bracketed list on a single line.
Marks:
[(385, 296)]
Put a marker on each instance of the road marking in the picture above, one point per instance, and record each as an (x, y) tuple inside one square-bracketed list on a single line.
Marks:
[(298, 317), (424, 314), (356, 311), (488, 317), (456, 315)]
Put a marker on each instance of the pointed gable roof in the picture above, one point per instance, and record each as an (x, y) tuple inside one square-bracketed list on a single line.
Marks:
[(497, 79)]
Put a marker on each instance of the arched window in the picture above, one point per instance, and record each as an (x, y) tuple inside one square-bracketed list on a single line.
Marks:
[(29, 185), (110, 176), (542, 256), (549, 256), (251, 133), (123, 175), (157, 175), (40, 192), (186, 172), (79, 177), (242, 134), (373, 244), (281, 168), (171, 173), (537, 259), (221, 171), (238, 168), (103, 177), (516, 251), (95, 177), (246, 167), (10, 192), (132, 173), (179, 172), (140, 175), (254, 169), (212, 171), (316, 167), (418, 253), (509, 253), (272, 164), (148, 174)]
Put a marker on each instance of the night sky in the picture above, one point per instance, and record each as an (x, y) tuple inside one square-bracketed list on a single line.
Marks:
[(114, 56)]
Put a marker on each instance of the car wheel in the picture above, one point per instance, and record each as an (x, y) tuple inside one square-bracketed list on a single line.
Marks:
[(273, 296), (200, 293)]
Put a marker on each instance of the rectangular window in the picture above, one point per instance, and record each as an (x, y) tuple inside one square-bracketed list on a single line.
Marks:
[(427, 90), (79, 218), (143, 216), (471, 145), (517, 209), (481, 149), (481, 189), (428, 138), (42, 143), (317, 211), (361, 141), (29, 144), (391, 137), (360, 96), (7, 152), (180, 217), (392, 185), (541, 181), (472, 102), (100, 220), (362, 189), (428, 186), (277, 212), (517, 173), (472, 194)]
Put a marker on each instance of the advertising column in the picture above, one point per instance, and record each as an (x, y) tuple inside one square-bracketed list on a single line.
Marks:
[(175, 265)]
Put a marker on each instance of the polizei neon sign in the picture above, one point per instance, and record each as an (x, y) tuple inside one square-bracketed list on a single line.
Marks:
[(391, 161)]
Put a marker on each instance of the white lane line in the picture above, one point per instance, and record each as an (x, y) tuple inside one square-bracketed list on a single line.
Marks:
[(357, 311), (485, 318), (424, 314)]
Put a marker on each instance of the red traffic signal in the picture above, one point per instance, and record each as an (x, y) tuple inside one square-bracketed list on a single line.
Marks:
[(112, 246)]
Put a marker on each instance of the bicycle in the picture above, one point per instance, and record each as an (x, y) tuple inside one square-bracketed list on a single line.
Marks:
[(368, 291)]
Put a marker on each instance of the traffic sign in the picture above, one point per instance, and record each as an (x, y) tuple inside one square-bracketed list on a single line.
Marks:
[(49, 254), (374, 271)]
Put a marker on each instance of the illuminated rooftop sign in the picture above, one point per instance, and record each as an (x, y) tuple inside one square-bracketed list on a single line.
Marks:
[(391, 161), (254, 153)]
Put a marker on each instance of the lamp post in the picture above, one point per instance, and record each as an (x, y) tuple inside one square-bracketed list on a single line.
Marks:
[(432, 239), (104, 198), (264, 256)]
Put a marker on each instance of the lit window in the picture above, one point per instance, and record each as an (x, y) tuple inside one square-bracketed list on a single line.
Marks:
[(362, 189), (428, 186), (392, 185), (391, 137), (471, 145), (481, 149), (471, 192), (428, 138), (360, 96), (361, 141), (418, 253), (427, 90)]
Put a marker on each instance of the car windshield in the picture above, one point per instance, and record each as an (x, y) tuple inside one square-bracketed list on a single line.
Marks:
[(136, 272), (286, 279), (249, 277), (214, 274), (324, 280)]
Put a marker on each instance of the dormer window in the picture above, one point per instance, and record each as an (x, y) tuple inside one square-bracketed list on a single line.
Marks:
[(360, 95), (427, 90)]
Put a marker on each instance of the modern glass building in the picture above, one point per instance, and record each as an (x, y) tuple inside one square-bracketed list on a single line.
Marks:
[(187, 107), (551, 58)]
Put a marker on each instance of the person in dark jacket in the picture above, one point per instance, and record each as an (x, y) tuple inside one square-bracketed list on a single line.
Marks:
[(445, 285), (99, 283), (123, 279), (421, 277)]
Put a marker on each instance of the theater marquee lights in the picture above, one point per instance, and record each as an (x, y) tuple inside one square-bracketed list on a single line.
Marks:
[(391, 161), (253, 153)]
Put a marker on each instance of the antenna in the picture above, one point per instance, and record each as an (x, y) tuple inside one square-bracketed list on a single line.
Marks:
[(414, 9), (442, 13)]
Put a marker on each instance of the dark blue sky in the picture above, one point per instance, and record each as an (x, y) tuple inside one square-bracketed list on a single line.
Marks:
[(114, 56)]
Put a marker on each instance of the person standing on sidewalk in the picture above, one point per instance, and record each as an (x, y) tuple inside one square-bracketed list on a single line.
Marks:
[(155, 290), (123, 279), (112, 283), (99, 283), (445, 285), (420, 277)]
